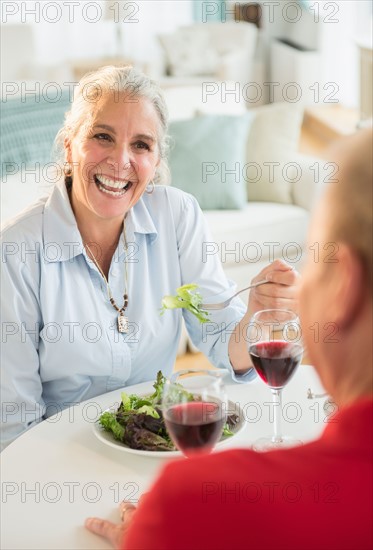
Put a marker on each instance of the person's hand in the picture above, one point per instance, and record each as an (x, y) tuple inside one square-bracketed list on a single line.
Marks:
[(280, 293), (112, 532)]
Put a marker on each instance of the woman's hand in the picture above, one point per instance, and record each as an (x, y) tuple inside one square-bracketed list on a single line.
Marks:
[(280, 293), (112, 532)]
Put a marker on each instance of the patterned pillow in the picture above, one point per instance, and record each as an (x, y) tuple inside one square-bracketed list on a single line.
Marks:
[(28, 128), (183, 51)]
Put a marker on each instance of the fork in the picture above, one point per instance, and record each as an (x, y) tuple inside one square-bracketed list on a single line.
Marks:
[(222, 305)]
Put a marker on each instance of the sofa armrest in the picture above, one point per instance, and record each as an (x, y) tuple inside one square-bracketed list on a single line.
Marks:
[(314, 174)]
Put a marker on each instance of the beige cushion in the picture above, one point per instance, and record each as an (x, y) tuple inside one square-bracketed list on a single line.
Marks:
[(233, 36), (273, 138), (184, 52), (240, 235)]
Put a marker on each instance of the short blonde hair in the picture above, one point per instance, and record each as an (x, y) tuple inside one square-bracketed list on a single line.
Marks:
[(351, 196), (95, 86)]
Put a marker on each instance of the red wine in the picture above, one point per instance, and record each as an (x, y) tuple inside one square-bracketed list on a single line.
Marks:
[(276, 361), (195, 426)]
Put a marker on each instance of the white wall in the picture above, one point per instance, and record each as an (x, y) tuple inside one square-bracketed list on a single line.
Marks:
[(48, 44), (60, 34), (330, 27)]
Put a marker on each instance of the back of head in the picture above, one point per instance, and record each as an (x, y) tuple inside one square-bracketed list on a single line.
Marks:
[(351, 197), (336, 287)]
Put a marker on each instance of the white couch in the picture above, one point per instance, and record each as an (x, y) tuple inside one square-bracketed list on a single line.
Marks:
[(273, 223), (276, 212), (228, 53)]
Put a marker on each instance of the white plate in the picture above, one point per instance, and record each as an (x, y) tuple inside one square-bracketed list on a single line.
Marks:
[(108, 439)]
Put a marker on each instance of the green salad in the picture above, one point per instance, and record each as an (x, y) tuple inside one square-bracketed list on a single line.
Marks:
[(186, 298), (138, 422)]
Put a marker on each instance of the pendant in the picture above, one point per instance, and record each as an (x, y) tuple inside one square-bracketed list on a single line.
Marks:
[(122, 323)]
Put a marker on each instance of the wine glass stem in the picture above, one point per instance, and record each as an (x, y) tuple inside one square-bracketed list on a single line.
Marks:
[(277, 405)]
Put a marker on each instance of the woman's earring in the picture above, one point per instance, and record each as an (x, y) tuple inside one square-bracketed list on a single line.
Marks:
[(151, 189), (68, 172)]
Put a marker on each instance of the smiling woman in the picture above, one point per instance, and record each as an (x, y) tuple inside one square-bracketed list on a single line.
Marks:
[(84, 270), (114, 141), (113, 161)]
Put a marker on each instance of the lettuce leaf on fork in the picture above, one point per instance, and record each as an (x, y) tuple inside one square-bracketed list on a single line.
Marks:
[(186, 298)]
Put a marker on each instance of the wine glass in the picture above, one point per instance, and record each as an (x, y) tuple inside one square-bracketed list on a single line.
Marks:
[(194, 409), (275, 348)]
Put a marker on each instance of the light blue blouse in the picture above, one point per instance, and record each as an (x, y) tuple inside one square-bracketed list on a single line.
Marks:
[(60, 342)]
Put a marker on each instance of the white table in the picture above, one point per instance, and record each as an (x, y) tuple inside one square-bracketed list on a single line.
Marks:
[(58, 473)]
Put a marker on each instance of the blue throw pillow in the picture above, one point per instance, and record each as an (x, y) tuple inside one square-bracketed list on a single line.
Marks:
[(28, 128), (207, 159)]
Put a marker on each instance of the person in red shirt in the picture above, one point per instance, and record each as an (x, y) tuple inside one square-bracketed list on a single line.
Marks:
[(317, 496)]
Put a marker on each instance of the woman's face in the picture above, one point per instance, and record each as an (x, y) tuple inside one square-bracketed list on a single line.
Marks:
[(114, 162)]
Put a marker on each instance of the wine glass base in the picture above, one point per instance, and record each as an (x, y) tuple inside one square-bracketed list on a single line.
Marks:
[(270, 443)]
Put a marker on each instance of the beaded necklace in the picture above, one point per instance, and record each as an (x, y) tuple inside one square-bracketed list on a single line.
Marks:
[(122, 319)]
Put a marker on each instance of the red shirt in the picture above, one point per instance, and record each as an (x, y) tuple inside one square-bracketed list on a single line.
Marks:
[(317, 496)]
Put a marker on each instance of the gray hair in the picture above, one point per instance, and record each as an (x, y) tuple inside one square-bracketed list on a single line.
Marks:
[(94, 86)]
